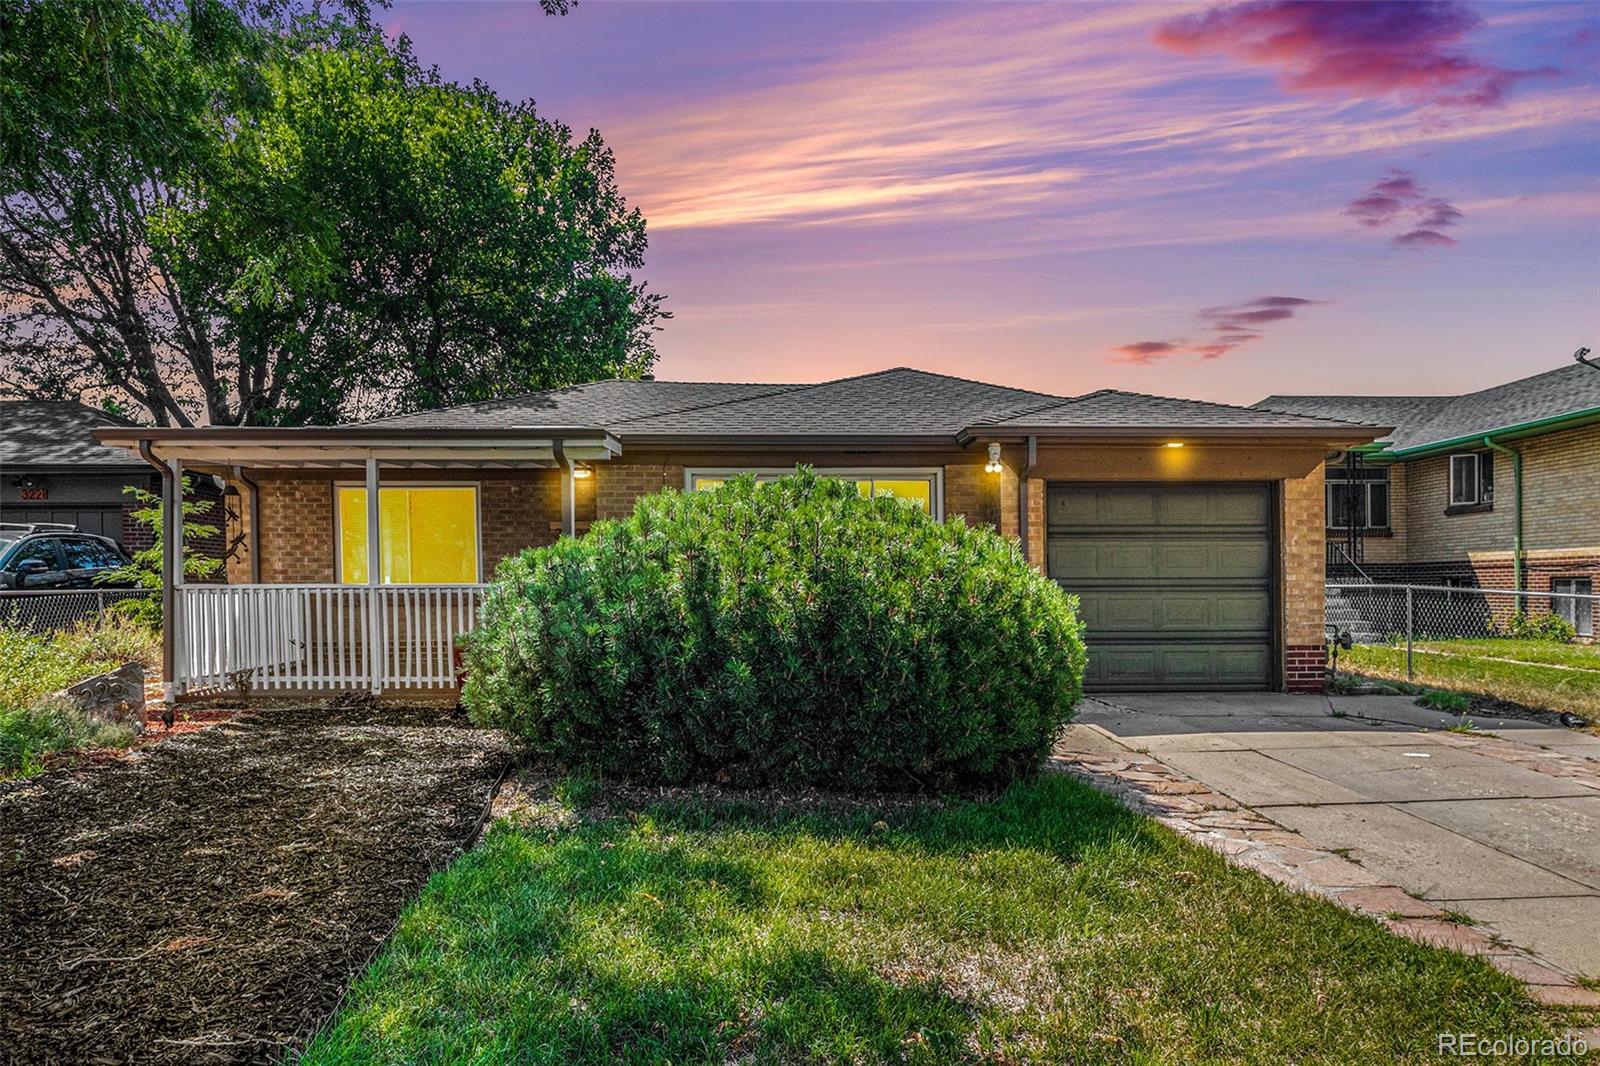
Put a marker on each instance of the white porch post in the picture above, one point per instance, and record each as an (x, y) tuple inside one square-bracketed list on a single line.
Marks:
[(375, 647), (172, 570)]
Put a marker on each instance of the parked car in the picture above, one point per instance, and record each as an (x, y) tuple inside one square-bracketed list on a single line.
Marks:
[(51, 556)]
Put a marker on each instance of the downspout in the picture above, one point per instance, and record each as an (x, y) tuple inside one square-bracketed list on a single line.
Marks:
[(569, 492), (169, 594), (1516, 504), (1022, 494), (255, 522)]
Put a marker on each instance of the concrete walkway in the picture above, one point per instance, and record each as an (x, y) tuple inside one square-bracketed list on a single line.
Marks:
[(1505, 831)]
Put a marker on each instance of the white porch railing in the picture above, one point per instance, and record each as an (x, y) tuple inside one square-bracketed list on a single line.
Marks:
[(320, 637)]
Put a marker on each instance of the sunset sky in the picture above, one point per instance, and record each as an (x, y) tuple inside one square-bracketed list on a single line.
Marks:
[(1217, 201)]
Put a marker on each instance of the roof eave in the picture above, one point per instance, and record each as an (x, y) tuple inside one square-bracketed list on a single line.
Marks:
[(1516, 431), (1340, 435)]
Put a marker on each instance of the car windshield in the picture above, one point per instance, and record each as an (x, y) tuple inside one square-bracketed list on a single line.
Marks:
[(6, 543)]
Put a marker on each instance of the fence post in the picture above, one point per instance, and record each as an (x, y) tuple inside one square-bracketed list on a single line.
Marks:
[(1410, 628)]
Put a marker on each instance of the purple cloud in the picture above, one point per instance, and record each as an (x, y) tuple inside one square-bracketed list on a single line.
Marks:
[(1400, 194), (1425, 238), (1402, 49), (1231, 327)]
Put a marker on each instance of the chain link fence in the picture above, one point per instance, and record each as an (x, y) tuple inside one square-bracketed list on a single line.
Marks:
[(45, 611), (1534, 649), (1391, 614)]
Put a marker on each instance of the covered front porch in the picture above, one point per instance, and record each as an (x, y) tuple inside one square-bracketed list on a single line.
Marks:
[(383, 621)]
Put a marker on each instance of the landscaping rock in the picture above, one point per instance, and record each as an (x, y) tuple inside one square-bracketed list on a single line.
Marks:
[(117, 696)]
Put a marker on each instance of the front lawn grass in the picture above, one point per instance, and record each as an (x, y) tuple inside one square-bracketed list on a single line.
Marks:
[(1534, 673), (1048, 925)]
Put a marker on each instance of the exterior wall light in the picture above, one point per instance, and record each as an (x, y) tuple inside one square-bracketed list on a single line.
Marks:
[(1174, 443), (993, 465), (582, 472)]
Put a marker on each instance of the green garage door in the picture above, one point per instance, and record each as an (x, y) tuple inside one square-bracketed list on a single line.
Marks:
[(1175, 581)]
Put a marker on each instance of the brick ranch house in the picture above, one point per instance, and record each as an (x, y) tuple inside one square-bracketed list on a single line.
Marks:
[(1492, 489), (1192, 532)]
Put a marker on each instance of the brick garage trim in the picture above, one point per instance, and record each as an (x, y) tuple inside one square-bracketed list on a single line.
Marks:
[(1304, 668)]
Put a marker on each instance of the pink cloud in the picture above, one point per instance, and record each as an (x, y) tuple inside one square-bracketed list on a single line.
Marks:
[(1232, 326), (1144, 353), (1401, 194), (1401, 49)]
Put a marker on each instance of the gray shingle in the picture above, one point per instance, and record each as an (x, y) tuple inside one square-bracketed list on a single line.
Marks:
[(1420, 421), (900, 402), (1113, 408), (889, 403), (56, 433), (598, 404)]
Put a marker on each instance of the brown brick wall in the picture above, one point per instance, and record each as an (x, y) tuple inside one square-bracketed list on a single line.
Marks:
[(619, 484), (297, 542), (971, 493), (1301, 533), (1561, 501)]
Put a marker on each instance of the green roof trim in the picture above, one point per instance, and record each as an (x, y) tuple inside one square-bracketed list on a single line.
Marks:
[(1553, 424)]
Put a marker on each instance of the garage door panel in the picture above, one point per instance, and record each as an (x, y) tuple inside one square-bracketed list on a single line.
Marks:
[(1085, 507), (1133, 667), (1174, 581), (1150, 613), (1157, 559)]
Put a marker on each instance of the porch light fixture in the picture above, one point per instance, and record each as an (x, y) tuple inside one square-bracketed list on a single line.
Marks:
[(1174, 443), (993, 465), (581, 472)]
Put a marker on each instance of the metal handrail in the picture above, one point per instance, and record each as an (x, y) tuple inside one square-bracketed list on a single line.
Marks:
[(1334, 545)]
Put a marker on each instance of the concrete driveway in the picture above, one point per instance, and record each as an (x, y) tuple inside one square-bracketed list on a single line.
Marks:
[(1505, 831)]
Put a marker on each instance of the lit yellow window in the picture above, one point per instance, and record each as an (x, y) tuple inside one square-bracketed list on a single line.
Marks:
[(426, 536), (918, 491)]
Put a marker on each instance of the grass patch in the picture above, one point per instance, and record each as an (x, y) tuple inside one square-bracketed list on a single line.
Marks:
[(1534, 673), (33, 665), (1048, 925)]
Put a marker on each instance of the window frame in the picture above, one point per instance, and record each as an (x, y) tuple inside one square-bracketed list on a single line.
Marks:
[(934, 475), (1574, 610), (338, 532), (1477, 499), (1366, 485)]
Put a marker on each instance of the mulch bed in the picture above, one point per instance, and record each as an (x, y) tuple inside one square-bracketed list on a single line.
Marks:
[(212, 899)]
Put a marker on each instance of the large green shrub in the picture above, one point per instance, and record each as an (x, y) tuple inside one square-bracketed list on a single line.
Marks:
[(1543, 627), (785, 632)]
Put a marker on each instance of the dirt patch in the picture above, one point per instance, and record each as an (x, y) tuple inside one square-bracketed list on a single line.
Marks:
[(210, 900)]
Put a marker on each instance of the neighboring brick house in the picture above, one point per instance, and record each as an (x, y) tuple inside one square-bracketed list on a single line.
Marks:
[(1191, 532), (1496, 489), (51, 470)]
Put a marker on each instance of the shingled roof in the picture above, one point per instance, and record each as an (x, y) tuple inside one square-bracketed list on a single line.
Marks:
[(50, 433), (1427, 421), (899, 402)]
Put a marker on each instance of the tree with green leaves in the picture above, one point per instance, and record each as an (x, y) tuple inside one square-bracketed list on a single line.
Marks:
[(253, 213), (145, 568)]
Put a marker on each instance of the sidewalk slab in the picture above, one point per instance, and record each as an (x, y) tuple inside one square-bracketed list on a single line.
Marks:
[(1562, 835), (1426, 771), (1427, 860)]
